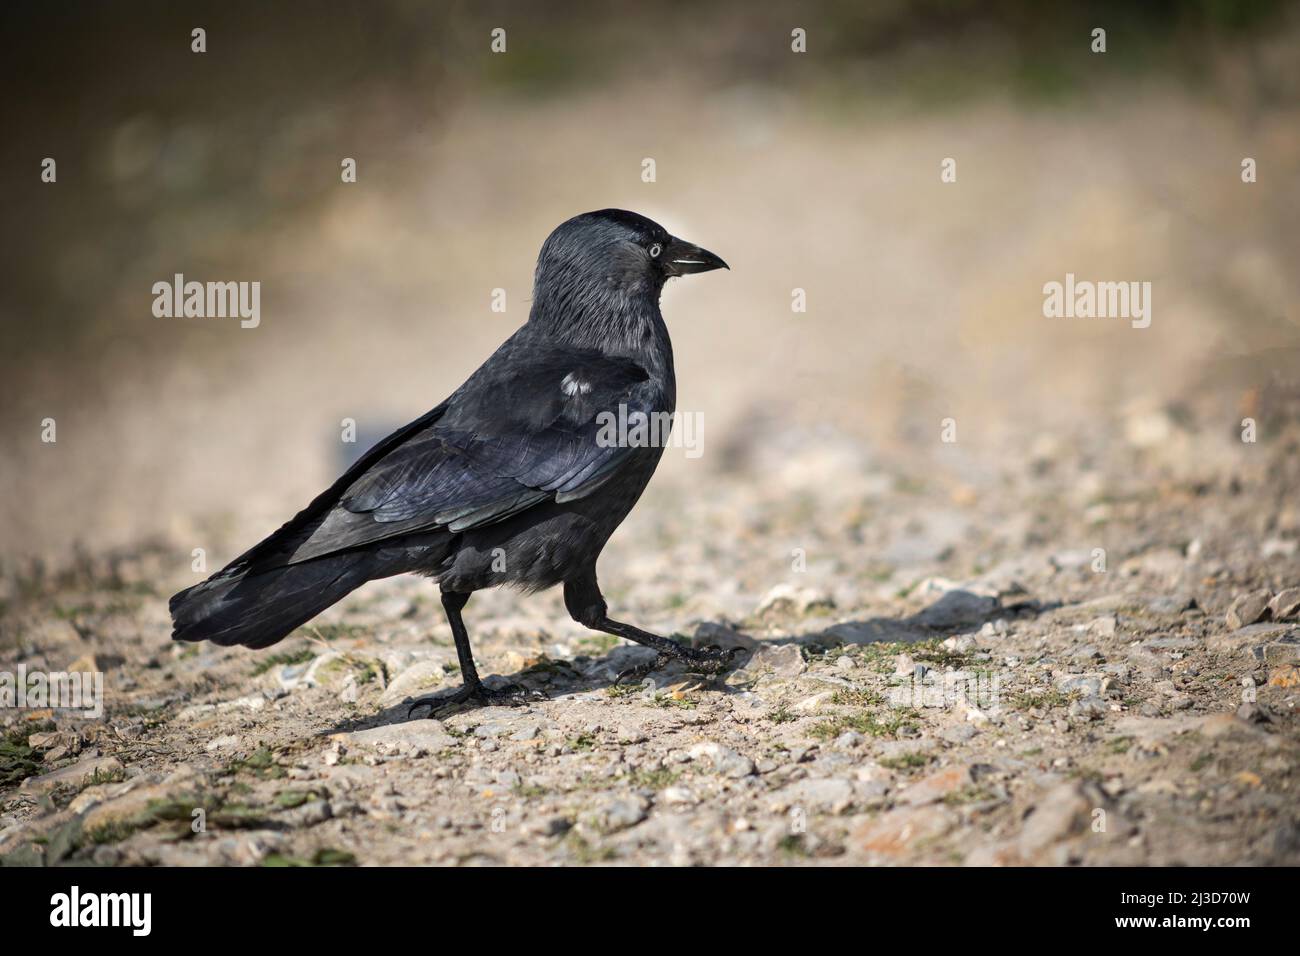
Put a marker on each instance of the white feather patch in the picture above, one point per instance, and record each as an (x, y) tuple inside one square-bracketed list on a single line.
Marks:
[(572, 385)]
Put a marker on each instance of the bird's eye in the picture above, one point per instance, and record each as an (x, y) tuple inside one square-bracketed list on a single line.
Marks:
[(655, 250)]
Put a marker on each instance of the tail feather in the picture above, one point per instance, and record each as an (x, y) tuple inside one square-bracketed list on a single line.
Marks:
[(257, 610)]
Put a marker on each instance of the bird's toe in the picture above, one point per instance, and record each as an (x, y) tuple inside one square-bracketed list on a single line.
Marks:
[(713, 660), (639, 672)]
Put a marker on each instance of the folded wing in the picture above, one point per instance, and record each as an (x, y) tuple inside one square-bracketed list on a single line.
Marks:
[(514, 436)]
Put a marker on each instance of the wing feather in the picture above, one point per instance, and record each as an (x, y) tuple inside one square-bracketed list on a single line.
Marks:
[(508, 440)]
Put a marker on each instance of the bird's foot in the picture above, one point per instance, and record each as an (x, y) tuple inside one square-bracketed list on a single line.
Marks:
[(706, 661), (711, 661), (638, 673), (479, 694)]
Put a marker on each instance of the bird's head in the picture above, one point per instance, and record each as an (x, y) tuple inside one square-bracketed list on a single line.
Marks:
[(616, 252)]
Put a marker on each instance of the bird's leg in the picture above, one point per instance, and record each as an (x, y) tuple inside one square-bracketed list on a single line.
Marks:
[(583, 599), (472, 689)]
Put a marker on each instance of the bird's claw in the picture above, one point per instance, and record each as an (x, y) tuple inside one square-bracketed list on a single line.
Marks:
[(706, 661), (639, 671), (712, 660), (512, 695)]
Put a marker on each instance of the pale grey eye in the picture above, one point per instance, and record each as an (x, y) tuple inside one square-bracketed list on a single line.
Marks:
[(655, 250)]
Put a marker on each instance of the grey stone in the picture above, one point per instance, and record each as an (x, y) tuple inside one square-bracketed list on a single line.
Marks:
[(708, 633), (1284, 650), (957, 609), (958, 644), (724, 760), (309, 814), (1171, 604), (1285, 604), (1070, 559), (420, 677), (1088, 685), (958, 733), (1248, 608), (814, 794), (1104, 626), (1062, 812), (1089, 708), (1252, 714), (81, 772), (528, 731), (619, 812), (789, 599), (1246, 639), (783, 660), (413, 738)]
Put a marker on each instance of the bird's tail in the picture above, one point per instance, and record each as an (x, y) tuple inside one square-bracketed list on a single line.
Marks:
[(258, 609)]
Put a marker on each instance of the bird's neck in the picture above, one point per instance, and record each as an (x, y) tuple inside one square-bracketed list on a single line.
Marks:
[(617, 321)]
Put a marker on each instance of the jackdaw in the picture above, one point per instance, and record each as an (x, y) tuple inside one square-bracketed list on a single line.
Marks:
[(509, 481)]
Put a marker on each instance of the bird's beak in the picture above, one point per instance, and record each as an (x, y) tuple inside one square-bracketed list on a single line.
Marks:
[(684, 258)]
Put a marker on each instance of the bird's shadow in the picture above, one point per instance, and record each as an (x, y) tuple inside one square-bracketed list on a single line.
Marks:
[(553, 679), (955, 612)]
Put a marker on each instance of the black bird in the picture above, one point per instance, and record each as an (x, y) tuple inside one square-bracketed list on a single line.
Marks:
[(509, 481)]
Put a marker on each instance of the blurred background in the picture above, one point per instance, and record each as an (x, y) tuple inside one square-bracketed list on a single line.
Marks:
[(818, 171)]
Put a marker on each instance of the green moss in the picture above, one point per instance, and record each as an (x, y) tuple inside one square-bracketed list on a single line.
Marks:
[(101, 776), (1040, 700), (333, 632), (792, 845), (668, 700), (283, 660), (261, 763), (887, 725), (907, 761), (967, 795), (178, 812), (18, 761), (337, 670), (653, 779), (587, 853), (879, 657), (933, 652), (857, 697), (782, 715), (289, 799)]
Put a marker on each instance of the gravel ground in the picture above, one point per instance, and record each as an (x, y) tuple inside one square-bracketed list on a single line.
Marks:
[(1085, 656)]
